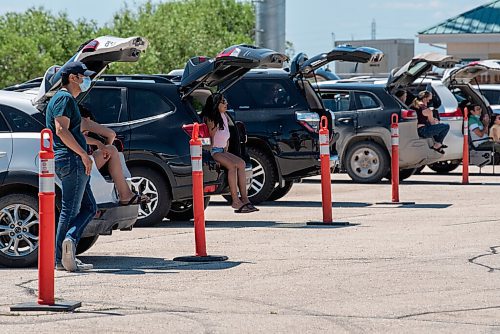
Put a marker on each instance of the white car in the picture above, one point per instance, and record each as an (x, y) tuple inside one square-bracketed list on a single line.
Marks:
[(492, 94), (20, 126)]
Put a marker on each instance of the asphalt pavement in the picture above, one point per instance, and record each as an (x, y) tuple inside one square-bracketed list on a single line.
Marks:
[(431, 267)]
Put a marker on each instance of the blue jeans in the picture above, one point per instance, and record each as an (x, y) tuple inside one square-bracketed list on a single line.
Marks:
[(436, 131), (78, 203)]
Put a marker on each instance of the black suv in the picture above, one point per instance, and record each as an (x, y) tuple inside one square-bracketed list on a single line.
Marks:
[(148, 113), (281, 112)]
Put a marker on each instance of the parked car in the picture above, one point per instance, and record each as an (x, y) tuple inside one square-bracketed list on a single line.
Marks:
[(363, 116), (19, 147), (492, 94), (281, 112), (148, 113)]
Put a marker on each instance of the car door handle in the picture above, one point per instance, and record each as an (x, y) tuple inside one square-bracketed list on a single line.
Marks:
[(3, 154), (344, 119)]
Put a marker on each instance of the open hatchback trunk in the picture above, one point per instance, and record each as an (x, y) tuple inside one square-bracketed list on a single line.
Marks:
[(96, 55), (227, 67)]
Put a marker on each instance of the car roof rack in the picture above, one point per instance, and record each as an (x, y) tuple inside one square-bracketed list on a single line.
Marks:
[(153, 78)]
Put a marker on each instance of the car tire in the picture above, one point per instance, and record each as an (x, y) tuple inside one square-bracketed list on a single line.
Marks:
[(280, 192), (406, 173), (264, 176), (149, 182), (444, 167), (183, 211), (366, 162), (27, 247), (85, 243)]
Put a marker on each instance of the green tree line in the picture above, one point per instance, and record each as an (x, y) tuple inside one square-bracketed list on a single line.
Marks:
[(32, 41)]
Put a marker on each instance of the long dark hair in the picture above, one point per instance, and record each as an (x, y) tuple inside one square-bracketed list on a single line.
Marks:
[(211, 110)]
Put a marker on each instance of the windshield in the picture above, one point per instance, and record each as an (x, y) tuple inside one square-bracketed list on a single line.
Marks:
[(417, 67)]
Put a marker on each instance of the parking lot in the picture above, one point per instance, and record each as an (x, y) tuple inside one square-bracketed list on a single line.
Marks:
[(428, 267)]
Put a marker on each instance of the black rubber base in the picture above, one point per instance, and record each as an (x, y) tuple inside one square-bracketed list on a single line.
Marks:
[(328, 224), (395, 203), (60, 306), (194, 258)]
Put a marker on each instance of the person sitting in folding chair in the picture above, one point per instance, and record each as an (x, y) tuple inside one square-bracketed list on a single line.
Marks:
[(478, 130)]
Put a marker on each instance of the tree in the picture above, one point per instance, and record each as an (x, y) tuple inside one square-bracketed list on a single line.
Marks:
[(32, 41), (179, 30)]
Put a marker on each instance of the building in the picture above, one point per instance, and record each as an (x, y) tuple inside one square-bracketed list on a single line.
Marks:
[(397, 52), (470, 36)]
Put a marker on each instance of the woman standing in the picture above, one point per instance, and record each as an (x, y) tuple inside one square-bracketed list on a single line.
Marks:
[(428, 125), (214, 115)]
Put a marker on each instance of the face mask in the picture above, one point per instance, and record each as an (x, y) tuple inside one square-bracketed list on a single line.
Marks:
[(85, 85)]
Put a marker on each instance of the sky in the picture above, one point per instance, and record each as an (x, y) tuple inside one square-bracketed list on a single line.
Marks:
[(309, 24)]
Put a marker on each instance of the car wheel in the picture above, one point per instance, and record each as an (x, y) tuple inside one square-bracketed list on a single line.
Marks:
[(149, 182), (406, 173), (263, 176), (183, 211), (19, 230), (280, 192), (85, 243), (366, 162), (444, 167)]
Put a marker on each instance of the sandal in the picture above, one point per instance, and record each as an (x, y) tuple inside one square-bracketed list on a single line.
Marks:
[(438, 150), (252, 207), (245, 208), (136, 200)]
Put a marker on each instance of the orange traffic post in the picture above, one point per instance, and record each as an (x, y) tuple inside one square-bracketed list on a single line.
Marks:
[(198, 204), (326, 181), (46, 236), (465, 154), (395, 162)]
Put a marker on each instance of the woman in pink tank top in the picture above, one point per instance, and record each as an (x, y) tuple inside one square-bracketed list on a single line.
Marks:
[(214, 115)]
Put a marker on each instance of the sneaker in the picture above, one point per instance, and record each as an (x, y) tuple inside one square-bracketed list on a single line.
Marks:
[(60, 267), (68, 255), (83, 266)]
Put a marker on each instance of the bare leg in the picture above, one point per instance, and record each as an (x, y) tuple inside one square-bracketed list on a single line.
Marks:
[(115, 170), (226, 161)]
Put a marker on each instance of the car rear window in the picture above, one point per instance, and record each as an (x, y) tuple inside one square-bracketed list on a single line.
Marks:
[(144, 103), (105, 104), (367, 101), (251, 94), (337, 101), (20, 121), (493, 96)]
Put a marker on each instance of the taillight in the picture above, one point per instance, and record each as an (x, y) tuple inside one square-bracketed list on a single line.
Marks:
[(91, 46), (203, 133), (408, 114), (456, 113), (210, 189), (309, 120)]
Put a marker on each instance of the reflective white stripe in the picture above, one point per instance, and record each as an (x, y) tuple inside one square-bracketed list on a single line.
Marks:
[(46, 184), (394, 132), (195, 150), (323, 138), (395, 141), (324, 149), (466, 126), (46, 166), (196, 165)]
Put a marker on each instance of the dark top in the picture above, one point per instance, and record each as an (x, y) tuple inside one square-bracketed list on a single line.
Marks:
[(421, 119), (64, 104)]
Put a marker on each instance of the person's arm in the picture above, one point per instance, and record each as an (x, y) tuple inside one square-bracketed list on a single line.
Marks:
[(93, 141), (62, 131), (91, 126)]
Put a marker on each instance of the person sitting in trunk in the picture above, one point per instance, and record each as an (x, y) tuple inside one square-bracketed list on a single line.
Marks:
[(402, 95), (214, 115), (106, 157), (428, 125)]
